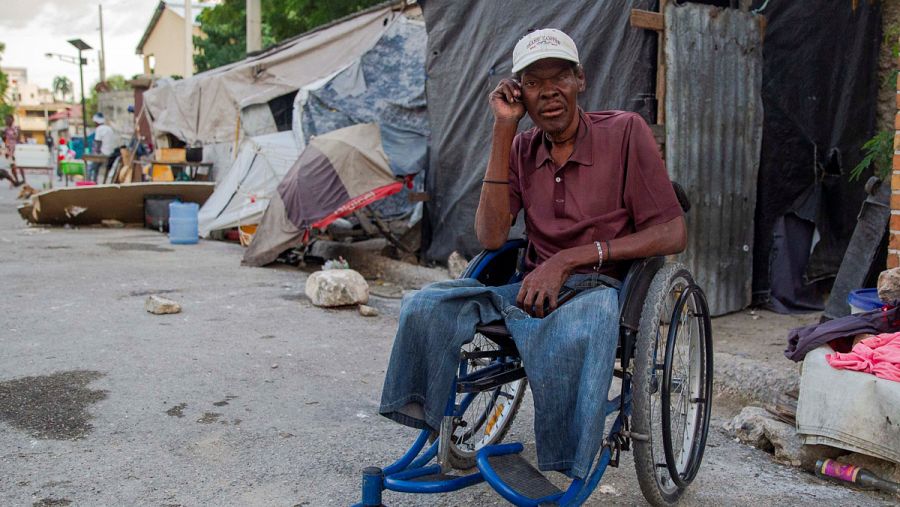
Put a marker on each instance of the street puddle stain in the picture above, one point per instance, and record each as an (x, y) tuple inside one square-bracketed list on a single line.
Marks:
[(225, 401), (209, 417), (50, 406), (150, 292), (136, 247), (52, 502), (177, 410)]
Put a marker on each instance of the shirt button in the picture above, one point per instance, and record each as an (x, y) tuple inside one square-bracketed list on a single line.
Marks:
[(558, 179)]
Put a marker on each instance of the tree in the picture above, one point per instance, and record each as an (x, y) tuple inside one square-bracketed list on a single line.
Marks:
[(62, 86), (224, 26), (5, 107)]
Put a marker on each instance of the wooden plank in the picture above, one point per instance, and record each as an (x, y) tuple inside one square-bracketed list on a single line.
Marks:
[(648, 20), (661, 69)]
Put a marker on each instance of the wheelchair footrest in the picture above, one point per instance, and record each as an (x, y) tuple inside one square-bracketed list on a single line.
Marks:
[(518, 473)]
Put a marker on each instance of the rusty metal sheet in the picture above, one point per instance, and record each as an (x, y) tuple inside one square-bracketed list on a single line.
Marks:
[(714, 116)]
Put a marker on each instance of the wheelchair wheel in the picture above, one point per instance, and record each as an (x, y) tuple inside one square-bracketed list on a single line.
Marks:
[(488, 415), (672, 385)]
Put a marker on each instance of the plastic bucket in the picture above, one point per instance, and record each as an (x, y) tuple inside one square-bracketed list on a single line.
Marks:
[(183, 228), (864, 300)]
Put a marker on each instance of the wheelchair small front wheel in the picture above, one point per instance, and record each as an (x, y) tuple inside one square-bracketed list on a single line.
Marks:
[(486, 416), (672, 385)]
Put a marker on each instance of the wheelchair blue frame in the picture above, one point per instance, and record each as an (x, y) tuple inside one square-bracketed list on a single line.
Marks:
[(414, 464)]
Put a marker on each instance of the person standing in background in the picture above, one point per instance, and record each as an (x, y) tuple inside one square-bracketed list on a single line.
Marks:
[(11, 137)]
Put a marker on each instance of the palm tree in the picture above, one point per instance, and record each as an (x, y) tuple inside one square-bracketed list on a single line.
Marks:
[(62, 86)]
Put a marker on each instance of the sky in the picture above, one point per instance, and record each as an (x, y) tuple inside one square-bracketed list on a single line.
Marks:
[(32, 28)]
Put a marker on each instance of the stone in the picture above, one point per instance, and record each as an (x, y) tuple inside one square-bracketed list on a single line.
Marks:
[(160, 306), (456, 265), (889, 285), (757, 427), (367, 311), (337, 287), (112, 223)]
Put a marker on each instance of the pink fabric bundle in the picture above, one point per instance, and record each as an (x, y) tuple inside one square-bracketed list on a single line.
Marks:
[(878, 355)]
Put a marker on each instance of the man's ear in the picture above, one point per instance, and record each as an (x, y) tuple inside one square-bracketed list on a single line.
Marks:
[(579, 75)]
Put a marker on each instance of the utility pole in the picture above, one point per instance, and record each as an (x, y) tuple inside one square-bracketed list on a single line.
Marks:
[(102, 48), (188, 39), (80, 45), (254, 26)]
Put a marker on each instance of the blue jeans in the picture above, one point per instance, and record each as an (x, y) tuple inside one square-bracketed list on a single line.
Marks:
[(568, 356)]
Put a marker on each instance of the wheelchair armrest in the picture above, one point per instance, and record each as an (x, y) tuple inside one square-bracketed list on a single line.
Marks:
[(479, 266)]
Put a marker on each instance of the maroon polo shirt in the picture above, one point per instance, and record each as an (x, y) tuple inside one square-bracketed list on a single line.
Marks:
[(614, 184)]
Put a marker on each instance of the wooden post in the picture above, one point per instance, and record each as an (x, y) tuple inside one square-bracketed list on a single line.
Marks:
[(656, 21)]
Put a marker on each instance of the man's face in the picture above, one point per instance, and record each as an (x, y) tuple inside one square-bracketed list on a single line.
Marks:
[(550, 89)]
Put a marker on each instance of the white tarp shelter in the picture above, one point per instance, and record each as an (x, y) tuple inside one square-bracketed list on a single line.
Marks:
[(205, 108), (243, 194)]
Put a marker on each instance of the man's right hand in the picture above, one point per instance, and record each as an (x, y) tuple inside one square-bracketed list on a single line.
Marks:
[(506, 101)]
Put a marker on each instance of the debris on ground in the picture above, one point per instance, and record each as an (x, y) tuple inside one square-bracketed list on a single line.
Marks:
[(159, 305), (757, 427), (889, 285), (456, 265), (367, 311), (339, 263), (26, 191), (112, 223), (337, 287)]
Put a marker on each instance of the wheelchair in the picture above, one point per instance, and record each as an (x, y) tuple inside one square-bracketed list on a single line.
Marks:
[(664, 361)]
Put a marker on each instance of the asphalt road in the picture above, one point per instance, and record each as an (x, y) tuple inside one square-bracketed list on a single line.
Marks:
[(249, 397)]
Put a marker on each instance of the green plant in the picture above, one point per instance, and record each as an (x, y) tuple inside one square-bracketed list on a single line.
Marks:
[(879, 151)]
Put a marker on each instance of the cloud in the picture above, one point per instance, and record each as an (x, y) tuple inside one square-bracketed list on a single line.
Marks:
[(32, 28)]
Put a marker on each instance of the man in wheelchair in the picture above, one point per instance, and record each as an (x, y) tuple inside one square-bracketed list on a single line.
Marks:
[(595, 195)]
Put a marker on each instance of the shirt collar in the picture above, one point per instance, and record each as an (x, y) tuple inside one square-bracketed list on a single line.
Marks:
[(584, 144)]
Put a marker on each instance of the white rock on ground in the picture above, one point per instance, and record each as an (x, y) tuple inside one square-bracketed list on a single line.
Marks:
[(757, 427), (160, 306), (337, 287), (367, 311), (456, 265), (889, 285)]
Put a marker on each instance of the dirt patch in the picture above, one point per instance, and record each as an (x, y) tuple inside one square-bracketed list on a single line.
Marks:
[(209, 418), (52, 502), (50, 406), (177, 410), (136, 247)]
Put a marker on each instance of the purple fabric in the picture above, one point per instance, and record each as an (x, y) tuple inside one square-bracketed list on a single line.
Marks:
[(311, 189), (801, 340)]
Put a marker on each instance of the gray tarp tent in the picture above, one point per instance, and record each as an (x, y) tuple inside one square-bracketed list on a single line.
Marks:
[(205, 107)]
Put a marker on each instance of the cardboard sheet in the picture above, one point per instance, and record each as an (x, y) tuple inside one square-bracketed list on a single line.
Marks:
[(90, 205)]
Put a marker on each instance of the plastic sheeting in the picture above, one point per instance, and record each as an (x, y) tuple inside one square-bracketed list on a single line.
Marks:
[(470, 47), (385, 86), (819, 86), (242, 195)]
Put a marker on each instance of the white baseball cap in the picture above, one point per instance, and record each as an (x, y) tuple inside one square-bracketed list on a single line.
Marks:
[(99, 118), (544, 43)]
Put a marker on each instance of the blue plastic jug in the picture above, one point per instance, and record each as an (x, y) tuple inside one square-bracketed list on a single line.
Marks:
[(183, 223)]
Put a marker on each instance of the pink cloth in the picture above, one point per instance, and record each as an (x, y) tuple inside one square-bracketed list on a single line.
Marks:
[(878, 355)]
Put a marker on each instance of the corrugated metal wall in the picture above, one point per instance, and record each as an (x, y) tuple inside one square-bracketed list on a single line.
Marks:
[(714, 117)]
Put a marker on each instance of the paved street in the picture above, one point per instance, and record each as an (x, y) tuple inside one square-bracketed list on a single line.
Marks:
[(249, 397)]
